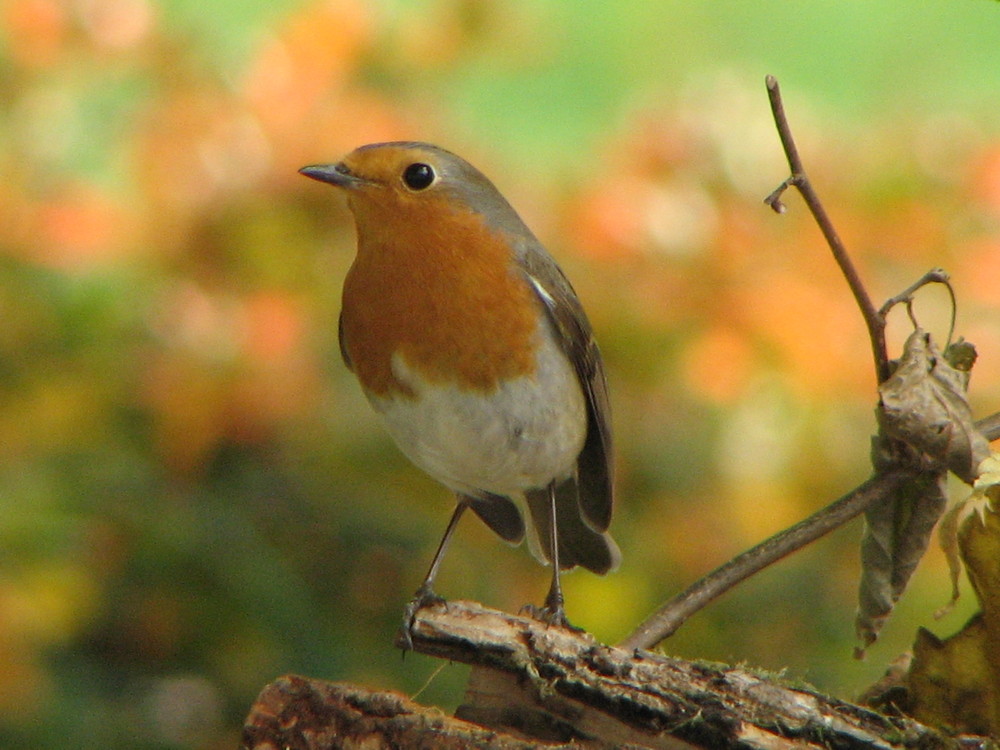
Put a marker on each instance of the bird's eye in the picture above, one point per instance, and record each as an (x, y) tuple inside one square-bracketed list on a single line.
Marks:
[(418, 176)]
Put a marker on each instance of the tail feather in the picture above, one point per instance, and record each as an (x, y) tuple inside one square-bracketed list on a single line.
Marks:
[(579, 543), (500, 514)]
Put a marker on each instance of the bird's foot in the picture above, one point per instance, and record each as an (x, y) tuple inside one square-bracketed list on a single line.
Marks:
[(425, 597), (550, 615)]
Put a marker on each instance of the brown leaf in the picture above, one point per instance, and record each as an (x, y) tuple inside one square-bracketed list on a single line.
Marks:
[(979, 543), (955, 683), (949, 682), (895, 538), (985, 490), (948, 540), (923, 404), (961, 355)]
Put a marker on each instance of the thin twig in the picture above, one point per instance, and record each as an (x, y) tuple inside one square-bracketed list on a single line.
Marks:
[(886, 481), (990, 426), (671, 615), (668, 618), (665, 621), (934, 276), (799, 179)]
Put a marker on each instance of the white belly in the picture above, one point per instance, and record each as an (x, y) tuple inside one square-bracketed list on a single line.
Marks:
[(523, 435)]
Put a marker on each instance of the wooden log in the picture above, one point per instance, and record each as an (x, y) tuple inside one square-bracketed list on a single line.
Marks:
[(535, 685)]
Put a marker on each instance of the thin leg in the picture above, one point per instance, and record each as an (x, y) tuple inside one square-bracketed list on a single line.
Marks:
[(553, 612), (425, 595)]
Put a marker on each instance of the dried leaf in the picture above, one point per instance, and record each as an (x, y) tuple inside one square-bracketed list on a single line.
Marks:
[(948, 540), (895, 538), (923, 404), (955, 683), (961, 355), (949, 683), (985, 490), (987, 484), (979, 543)]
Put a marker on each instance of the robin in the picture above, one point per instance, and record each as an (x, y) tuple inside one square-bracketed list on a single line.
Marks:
[(470, 342)]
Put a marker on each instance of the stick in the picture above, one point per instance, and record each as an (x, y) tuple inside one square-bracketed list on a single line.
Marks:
[(668, 618), (873, 320)]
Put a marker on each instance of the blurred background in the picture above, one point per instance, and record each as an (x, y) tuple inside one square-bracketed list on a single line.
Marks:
[(194, 495)]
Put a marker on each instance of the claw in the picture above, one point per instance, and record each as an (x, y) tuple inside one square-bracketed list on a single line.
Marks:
[(424, 597), (550, 616)]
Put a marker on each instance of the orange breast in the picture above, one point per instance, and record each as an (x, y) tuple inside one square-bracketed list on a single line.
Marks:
[(440, 289)]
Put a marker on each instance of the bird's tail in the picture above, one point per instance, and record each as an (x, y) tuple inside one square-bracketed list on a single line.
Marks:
[(579, 544)]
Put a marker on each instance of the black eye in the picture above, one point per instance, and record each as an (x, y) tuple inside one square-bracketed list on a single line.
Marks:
[(418, 176)]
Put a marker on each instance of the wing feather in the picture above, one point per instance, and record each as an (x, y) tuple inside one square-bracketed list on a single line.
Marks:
[(594, 470)]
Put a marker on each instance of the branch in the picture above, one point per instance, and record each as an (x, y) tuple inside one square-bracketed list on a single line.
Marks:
[(665, 621), (990, 426), (548, 684), (873, 320), (668, 618), (309, 714), (934, 276)]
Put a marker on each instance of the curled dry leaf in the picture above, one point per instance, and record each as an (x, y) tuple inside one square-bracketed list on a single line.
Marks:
[(979, 544), (985, 491), (923, 406), (955, 682), (895, 538)]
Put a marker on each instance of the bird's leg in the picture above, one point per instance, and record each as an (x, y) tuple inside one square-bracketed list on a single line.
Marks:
[(425, 596), (553, 612)]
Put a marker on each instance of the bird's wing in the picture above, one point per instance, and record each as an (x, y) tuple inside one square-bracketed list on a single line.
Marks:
[(594, 471)]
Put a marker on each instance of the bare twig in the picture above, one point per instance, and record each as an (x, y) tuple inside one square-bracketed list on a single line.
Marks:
[(883, 485), (990, 426), (669, 617), (934, 276), (665, 621), (887, 478), (798, 179)]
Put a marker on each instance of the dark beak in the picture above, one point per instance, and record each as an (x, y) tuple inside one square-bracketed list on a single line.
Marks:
[(335, 174)]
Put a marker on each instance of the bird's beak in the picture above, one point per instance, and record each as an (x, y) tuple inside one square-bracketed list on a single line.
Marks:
[(335, 174)]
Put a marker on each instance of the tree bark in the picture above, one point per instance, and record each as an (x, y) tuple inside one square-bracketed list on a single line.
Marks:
[(534, 685)]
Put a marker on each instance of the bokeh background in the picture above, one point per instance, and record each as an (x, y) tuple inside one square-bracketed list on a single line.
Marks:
[(194, 495)]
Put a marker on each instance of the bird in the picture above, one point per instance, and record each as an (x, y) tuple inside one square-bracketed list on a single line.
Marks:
[(468, 339)]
